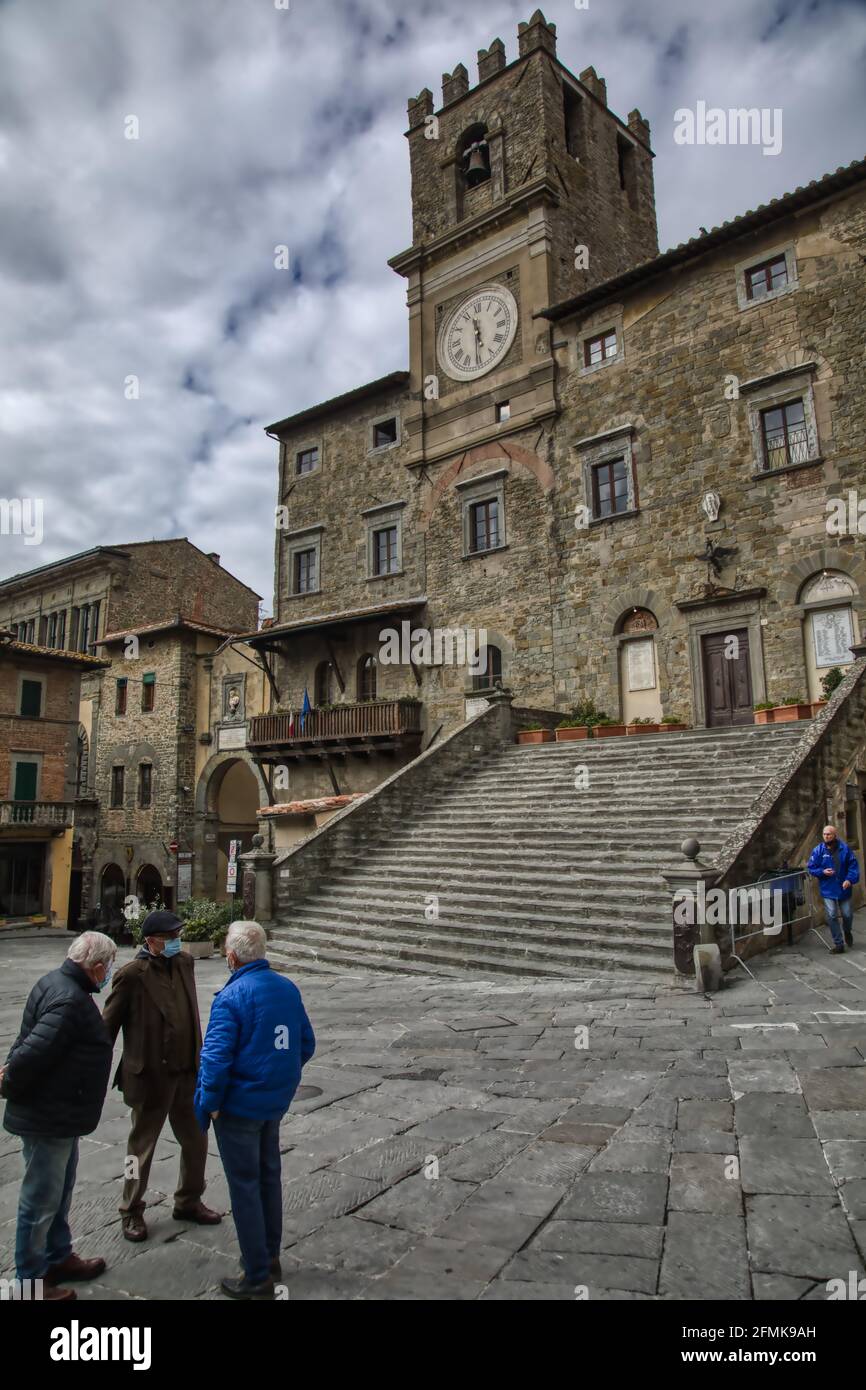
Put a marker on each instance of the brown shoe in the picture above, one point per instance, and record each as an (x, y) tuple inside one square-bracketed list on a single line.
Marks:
[(200, 1215), (133, 1225), (73, 1267), (52, 1295)]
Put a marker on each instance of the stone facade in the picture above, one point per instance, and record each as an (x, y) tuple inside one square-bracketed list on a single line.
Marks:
[(657, 367)]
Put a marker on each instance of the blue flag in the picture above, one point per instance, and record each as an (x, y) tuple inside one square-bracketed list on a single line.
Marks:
[(306, 707)]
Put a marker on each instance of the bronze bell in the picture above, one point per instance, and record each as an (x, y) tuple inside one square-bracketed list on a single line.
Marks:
[(477, 169)]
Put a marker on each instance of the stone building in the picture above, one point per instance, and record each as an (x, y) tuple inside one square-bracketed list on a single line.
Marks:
[(39, 722), (163, 614), (615, 469)]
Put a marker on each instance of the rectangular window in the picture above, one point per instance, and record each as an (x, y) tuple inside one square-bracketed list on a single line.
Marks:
[(43, 630), (94, 624), (61, 629), (610, 488), (503, 412), (305, 572), (26, 780), (148, 692), (145, 772), (784, 434), (307, 461), (52, 630), (31, 699), (120, 696), (768, 276), (571, 110), (385, 557), (600, 348), (484, 525), (84, 629), (384, 433), (116, 787), (30, 631), (73, 630)]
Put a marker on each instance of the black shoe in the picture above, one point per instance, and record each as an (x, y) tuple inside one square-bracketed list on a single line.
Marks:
[(837, 951), (276, 1268), (849, 938), (242, 1288)]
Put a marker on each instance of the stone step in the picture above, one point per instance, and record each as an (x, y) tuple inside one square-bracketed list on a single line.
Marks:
[(381, 894), (528, 878)]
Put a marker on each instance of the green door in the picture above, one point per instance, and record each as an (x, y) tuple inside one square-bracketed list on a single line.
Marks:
[(26, 777)]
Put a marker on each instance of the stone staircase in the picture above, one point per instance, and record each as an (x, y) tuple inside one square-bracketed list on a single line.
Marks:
[(531, 875)]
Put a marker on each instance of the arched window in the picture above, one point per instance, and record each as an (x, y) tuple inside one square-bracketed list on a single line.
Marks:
[(324, 683), (473, 157), (112, 891), (486, 679), (367, 677)]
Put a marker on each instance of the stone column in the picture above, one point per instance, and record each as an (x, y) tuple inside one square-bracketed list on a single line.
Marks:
[(501, 700), (686, 882), (259, 862)]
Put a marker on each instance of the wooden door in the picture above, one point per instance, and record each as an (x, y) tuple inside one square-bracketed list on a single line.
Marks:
[(727, 679)]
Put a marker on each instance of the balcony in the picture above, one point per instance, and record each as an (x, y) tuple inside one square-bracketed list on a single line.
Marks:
[(37, 815), (375, 726)]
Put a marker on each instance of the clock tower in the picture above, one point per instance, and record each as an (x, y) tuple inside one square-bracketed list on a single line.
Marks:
[(526, 189)]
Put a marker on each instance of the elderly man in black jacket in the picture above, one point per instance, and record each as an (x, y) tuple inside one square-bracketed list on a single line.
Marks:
[(55, 1081)]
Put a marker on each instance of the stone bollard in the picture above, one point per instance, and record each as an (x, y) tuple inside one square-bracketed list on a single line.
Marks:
[(684, 882), (259, 861), (708, 968)]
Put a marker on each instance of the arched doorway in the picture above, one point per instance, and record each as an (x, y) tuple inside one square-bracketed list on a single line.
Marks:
[(148, 886), (229, 794), (638, 666), (112, 892)]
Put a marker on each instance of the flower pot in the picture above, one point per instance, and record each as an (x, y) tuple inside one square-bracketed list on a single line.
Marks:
[(642, 728), (668, 728), (199, 949), (608, 730), (817, 706), (568, 735), (535, 736), (785, 714), (763, 716)]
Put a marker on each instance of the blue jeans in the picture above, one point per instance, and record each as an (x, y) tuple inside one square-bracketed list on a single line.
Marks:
[(835, 910), (43, 1237), (250, 1152)]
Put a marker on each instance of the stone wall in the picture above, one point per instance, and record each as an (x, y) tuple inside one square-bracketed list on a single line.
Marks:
[(54, 736)]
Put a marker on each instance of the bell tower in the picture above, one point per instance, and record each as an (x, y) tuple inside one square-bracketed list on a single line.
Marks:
[(526, 189)]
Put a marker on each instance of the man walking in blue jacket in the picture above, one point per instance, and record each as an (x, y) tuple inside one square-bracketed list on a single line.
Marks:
[(835, 866), (258, 1040)]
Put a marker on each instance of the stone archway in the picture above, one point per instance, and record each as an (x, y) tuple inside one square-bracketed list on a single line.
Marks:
[(229, 793)]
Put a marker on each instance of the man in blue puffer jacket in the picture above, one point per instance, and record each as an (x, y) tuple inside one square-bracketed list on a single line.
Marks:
[(258, 1040), (835, 866)]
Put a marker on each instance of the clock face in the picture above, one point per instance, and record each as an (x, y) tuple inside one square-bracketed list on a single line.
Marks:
[(478, 333)]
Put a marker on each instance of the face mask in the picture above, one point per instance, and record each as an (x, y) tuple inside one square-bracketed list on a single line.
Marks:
[(103, 984), (172, 947)]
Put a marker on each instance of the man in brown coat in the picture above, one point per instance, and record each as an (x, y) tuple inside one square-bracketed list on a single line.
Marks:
[(154, 1002)]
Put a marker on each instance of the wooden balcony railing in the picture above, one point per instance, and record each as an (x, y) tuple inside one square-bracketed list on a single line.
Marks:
[(376, 719), (56, 815)]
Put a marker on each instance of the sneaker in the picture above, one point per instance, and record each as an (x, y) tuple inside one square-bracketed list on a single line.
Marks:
[(242, 1288), (133, 1225)]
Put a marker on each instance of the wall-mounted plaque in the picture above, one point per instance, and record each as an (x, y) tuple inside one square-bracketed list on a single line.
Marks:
[(473, 707), (233, 737), (640, 657), (832, 636)]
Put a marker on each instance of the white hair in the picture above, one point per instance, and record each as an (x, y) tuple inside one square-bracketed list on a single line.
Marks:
[(92, 948), (247, 941)]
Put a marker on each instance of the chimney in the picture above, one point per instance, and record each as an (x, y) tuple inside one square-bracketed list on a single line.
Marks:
[(597, 85), (454, 84), (536, 34), (638, 126), (491, 60), (419, 107), (212, 555)]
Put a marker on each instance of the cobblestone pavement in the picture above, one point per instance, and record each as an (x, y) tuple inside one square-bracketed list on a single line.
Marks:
[(465, 1143)]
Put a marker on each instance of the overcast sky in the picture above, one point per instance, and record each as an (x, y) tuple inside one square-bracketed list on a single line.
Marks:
[(154, 258)]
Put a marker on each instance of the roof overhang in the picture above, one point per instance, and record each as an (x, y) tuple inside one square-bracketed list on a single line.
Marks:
[(273, 638)]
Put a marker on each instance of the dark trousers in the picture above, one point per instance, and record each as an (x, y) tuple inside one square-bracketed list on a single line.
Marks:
[(42, 1238), (250, 1152), (170, 1099)]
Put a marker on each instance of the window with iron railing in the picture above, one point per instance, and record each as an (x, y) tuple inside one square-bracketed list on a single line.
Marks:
[(784, 435)]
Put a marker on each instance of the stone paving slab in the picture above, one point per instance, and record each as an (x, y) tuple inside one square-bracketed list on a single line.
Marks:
[(461, 1146)]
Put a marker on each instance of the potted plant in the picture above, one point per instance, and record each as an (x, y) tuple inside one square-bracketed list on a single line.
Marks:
[(534, 733), (579, 722), (608, 728), (670, 722), (830, 682), (644, 725), (763, 712), (205, 924), (791, 708)]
